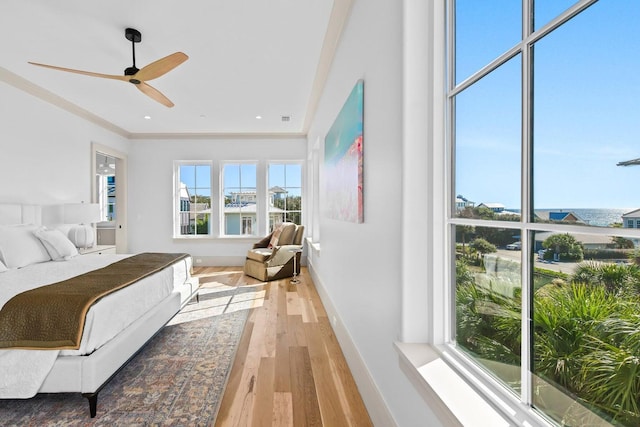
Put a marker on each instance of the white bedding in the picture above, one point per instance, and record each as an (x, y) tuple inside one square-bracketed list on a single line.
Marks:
[(22, 371)]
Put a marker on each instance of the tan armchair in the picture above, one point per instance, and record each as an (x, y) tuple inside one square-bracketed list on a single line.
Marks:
[(272, 257)]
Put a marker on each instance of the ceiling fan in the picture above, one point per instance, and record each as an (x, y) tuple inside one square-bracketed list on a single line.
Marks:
[(138, 77)]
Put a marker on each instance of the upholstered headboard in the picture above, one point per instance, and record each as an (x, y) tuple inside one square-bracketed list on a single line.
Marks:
[(13, 214)]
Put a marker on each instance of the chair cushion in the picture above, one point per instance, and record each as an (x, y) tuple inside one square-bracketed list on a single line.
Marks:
[(288, 233), (259, 254)]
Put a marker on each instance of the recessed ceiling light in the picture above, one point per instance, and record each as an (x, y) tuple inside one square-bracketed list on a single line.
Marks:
[(147, 117), (258, 117)]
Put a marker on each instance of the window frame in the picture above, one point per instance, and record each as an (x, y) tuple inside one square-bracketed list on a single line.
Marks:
[(517, 408), (217, 227), (257, 225), (177, 205), (268, 184)]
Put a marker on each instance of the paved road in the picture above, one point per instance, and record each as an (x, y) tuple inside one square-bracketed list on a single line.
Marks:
[(562, 267)]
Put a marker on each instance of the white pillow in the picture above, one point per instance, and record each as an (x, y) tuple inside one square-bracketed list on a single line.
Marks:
[(3, 267), (59, 247), (19, 247)]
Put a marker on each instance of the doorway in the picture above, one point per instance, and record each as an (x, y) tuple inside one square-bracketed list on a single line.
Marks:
[(109, 191)]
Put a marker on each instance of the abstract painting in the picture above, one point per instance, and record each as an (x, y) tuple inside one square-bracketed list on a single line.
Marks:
[(343, 162)]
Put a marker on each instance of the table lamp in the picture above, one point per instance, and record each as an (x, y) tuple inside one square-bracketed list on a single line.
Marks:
[(83, 215)]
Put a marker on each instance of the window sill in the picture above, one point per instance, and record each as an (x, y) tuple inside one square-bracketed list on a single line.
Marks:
[(201, 237), (313, 245), (449, 393)]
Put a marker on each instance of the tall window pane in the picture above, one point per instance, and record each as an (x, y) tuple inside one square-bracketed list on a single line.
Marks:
[(488, 145), (587, 113), (488, 289), (285, 194), (484, 30), (586, 340), (579, 160), (240, 199), (194, 199)]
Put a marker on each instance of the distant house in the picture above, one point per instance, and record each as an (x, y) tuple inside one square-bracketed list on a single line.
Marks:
[(631, 219), (463, 203), (558, 216), (185, 207), (240, 211), (495, 207)]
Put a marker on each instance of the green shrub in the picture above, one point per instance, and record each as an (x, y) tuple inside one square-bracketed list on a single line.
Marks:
[(586, 333), (606, 254)]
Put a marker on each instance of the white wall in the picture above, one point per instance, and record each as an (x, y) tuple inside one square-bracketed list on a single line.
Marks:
[(151, 191), (46, 151), (359, 268)]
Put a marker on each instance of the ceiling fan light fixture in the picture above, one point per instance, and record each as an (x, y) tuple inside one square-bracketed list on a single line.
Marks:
[(138, 77)]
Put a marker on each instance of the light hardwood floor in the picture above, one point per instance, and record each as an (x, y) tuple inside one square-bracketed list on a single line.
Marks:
[(289, 369)]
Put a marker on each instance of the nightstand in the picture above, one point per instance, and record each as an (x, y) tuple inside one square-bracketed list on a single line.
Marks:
[(98, 250)]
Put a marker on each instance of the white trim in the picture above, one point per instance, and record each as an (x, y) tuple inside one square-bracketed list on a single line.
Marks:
[(374, 401), (177, 181), (47, 96), (260, 182), (121, 227)]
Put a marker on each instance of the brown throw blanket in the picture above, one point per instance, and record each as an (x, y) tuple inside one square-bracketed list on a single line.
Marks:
[(52, 316)]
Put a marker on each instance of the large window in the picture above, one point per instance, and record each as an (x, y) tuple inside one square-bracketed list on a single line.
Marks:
[(234, 199), (285, 193), (544, 112), (193, 199), (240, 199)]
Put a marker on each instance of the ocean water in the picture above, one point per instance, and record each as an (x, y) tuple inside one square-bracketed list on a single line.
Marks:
[(595, 217), (600, 217)]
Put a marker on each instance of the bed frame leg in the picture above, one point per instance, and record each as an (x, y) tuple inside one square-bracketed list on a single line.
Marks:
[(93, 403)]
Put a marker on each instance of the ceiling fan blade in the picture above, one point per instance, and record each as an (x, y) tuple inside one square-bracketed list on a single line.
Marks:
[(161, 66), (154, 94), (86, 73)]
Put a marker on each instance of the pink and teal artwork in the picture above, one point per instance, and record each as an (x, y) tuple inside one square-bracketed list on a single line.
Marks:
[(343, 162)]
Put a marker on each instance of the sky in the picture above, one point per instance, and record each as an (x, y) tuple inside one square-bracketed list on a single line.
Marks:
[(586, 116), (241, 176)]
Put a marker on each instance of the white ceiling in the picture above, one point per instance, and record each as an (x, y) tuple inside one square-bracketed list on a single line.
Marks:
[(247, 58)]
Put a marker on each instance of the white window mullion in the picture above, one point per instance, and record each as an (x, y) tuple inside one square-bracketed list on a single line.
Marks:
[(525, 236), (449, 332)]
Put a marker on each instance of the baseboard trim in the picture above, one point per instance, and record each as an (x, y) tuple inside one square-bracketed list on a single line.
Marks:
[(373, 399)]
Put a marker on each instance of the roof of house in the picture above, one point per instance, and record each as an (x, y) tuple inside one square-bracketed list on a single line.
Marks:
[(492, 205), (277, 189), (248, 208), (632, 214), (550, 215)]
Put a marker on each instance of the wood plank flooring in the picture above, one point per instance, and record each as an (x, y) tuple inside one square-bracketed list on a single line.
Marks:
[(289, 369)]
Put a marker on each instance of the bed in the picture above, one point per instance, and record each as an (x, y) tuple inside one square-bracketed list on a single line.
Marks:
[(116, 326)]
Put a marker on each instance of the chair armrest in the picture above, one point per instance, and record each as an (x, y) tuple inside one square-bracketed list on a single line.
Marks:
[(289, 248), (263, 243), (282, 254)]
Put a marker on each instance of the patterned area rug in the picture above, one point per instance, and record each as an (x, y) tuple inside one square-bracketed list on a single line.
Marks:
[(177, 379)]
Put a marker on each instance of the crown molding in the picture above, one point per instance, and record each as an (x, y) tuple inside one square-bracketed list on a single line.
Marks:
[(47, 96), (337, 20), (214, 135)]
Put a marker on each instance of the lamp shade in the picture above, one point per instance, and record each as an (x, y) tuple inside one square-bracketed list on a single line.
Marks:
[(81, 213)]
